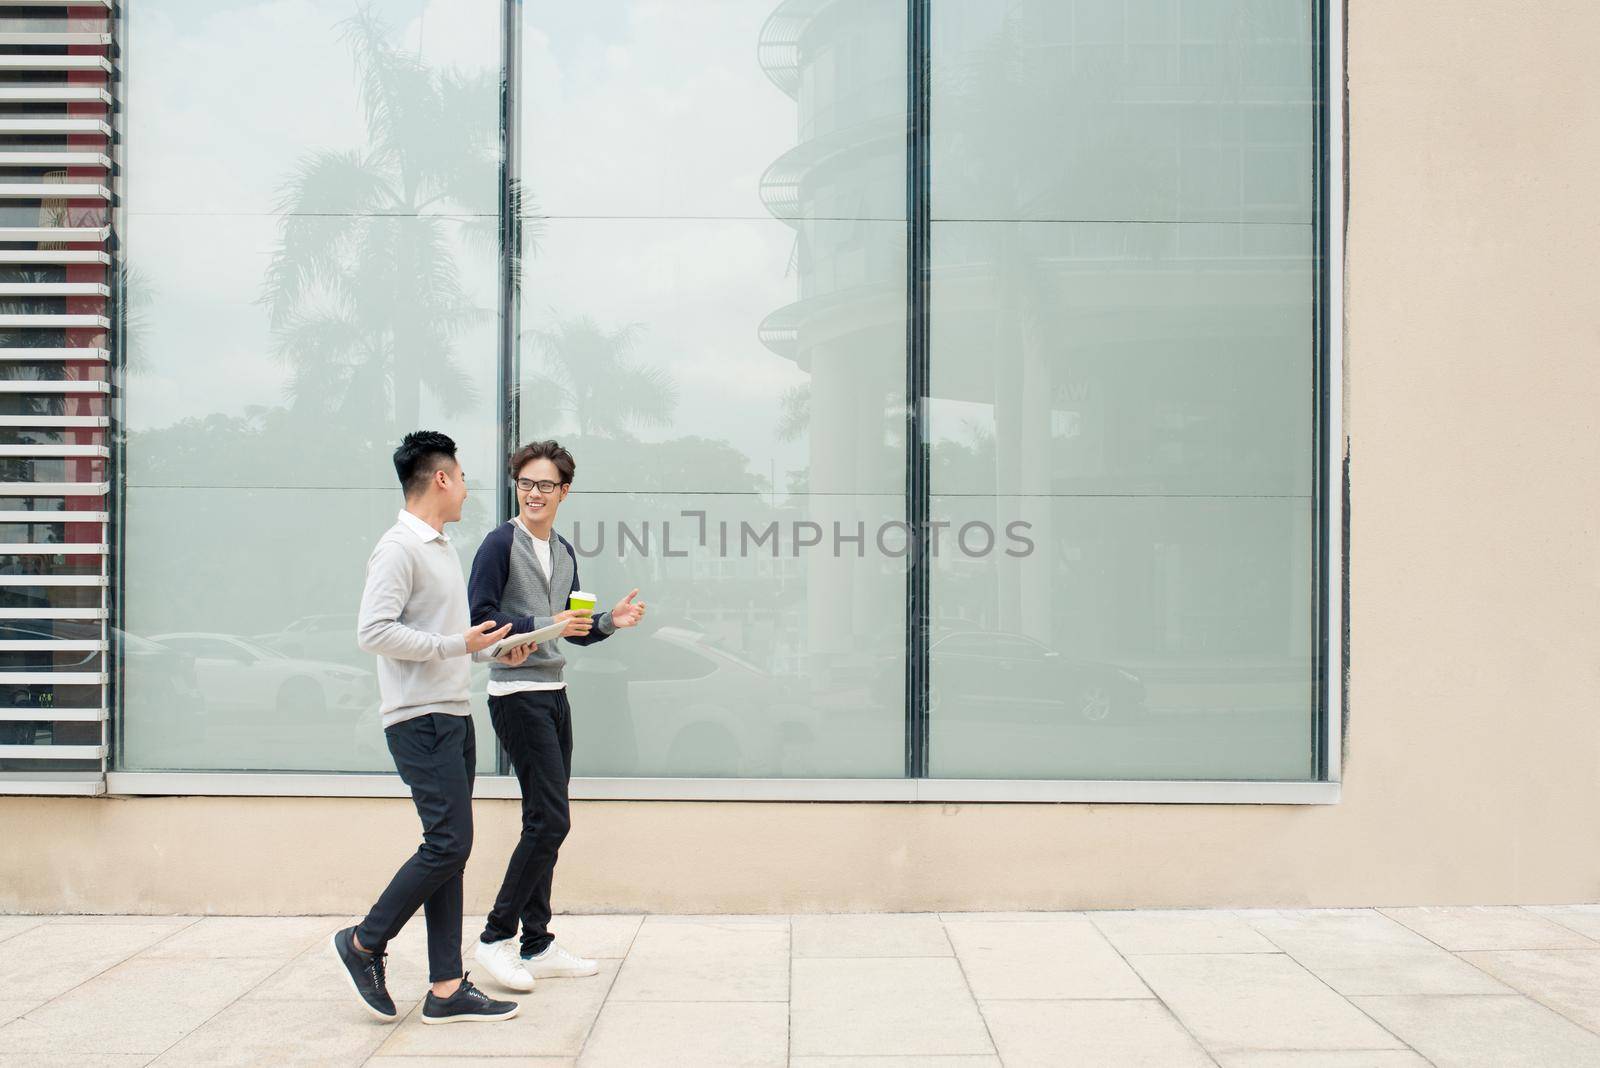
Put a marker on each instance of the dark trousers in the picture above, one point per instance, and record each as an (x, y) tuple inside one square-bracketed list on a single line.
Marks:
[(437, 757), (536, 729)]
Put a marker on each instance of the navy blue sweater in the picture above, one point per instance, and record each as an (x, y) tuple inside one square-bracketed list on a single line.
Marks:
[(509, 586)]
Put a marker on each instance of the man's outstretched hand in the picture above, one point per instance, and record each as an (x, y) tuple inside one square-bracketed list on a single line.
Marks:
[(628, 612), (484, 635)]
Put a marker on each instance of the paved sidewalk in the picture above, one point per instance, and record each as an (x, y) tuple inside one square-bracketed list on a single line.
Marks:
[(1388, 988)]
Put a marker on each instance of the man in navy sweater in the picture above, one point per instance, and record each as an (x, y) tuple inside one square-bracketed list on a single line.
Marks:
[(523, 576)]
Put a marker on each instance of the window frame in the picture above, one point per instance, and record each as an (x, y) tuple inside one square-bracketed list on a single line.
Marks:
[(1331, 565)]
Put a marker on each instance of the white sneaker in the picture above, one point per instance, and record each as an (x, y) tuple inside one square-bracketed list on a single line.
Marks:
[(556, 963), (500, 960)]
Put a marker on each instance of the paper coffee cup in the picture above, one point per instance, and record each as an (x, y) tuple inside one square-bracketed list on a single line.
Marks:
[(581, 602)]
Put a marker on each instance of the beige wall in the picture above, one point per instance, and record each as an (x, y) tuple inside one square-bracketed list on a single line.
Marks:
[(1473, 772)]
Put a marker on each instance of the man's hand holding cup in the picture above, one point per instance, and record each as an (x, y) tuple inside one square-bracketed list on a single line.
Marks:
[(579, 616)]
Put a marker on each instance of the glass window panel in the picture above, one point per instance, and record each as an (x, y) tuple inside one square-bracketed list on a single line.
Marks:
[(231, 98), (1122, 358), (1138, 110), (308, 280), (713, 320)]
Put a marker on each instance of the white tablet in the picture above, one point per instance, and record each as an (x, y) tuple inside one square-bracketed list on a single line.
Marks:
[(517, 641)]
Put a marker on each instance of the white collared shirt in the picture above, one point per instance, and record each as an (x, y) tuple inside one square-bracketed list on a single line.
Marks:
[(417, 526)]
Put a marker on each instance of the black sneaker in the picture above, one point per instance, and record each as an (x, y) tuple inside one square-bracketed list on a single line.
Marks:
[(365, 972), (467, 1004)]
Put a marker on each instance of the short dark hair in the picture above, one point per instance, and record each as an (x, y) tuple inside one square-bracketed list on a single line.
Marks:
[(545, 450), (421, 454)]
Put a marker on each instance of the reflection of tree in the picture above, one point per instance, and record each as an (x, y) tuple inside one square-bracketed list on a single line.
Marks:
[(590, 374), (679, 465), (794, 412), (364, 294)]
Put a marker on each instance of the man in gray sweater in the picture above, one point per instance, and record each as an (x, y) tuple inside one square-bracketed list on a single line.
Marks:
[(523, 577), (414, 618)]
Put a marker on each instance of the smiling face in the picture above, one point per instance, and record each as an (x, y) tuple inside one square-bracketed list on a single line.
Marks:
[(537, 507)]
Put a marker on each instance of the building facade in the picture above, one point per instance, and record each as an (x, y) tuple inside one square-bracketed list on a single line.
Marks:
[(1031, 511)]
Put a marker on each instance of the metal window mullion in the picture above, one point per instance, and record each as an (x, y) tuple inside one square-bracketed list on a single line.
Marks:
[(509, 363), (918, 215)]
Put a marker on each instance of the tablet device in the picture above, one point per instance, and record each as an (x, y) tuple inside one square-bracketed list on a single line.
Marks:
[(517, 641)]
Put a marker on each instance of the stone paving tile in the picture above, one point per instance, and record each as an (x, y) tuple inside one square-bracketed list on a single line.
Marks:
[(250, 1033), (706, 1034), (73, 1060), (1010, 917), (719, 920), (1258, 1001), (1179, 931), (140, 1006), (52, 958), (1106, 1034), (881, 1006), (1066, 959), (1566, 980), (1585, 919), (595, 936), (871, 935), (957, 1061), (1485, 1032), (247, 936), (1485, 927), (1358, 951), (1356, 1058), (554, 1021), (316, 974), (868, 991), (471, 1062), (706, 961), (121, 920)]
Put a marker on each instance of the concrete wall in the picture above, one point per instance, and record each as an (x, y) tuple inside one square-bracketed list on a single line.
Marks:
[(1473, 770)]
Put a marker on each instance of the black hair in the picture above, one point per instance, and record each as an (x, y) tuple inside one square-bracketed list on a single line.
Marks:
[(421, 454)]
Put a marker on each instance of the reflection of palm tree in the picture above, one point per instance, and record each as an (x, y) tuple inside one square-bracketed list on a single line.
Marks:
[(591, 375), (794, 412), (363, 291)]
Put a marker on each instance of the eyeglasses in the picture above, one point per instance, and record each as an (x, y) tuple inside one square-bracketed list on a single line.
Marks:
[(528, 485)]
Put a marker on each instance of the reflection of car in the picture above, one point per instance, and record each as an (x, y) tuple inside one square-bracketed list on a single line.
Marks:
[(687, 707), (238, 674), (330, 637), (163, 678), (991, 673)]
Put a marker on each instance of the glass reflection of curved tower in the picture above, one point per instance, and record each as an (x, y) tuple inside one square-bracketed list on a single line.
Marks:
[(842, 189)]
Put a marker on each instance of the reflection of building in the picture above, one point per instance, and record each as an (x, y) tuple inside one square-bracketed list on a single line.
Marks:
[(842, 189)]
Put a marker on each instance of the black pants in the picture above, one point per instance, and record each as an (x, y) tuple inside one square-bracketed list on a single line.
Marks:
[(536, 729), (437, 758)]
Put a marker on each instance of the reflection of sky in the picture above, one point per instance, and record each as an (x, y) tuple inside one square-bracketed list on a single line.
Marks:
[(661, 110), (655, 109), (224, 101)]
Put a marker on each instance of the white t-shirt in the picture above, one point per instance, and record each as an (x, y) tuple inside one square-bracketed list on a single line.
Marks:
[(541, 553)]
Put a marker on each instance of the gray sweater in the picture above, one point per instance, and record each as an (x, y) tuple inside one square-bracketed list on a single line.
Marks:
[(414, 618), (509, 586)]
